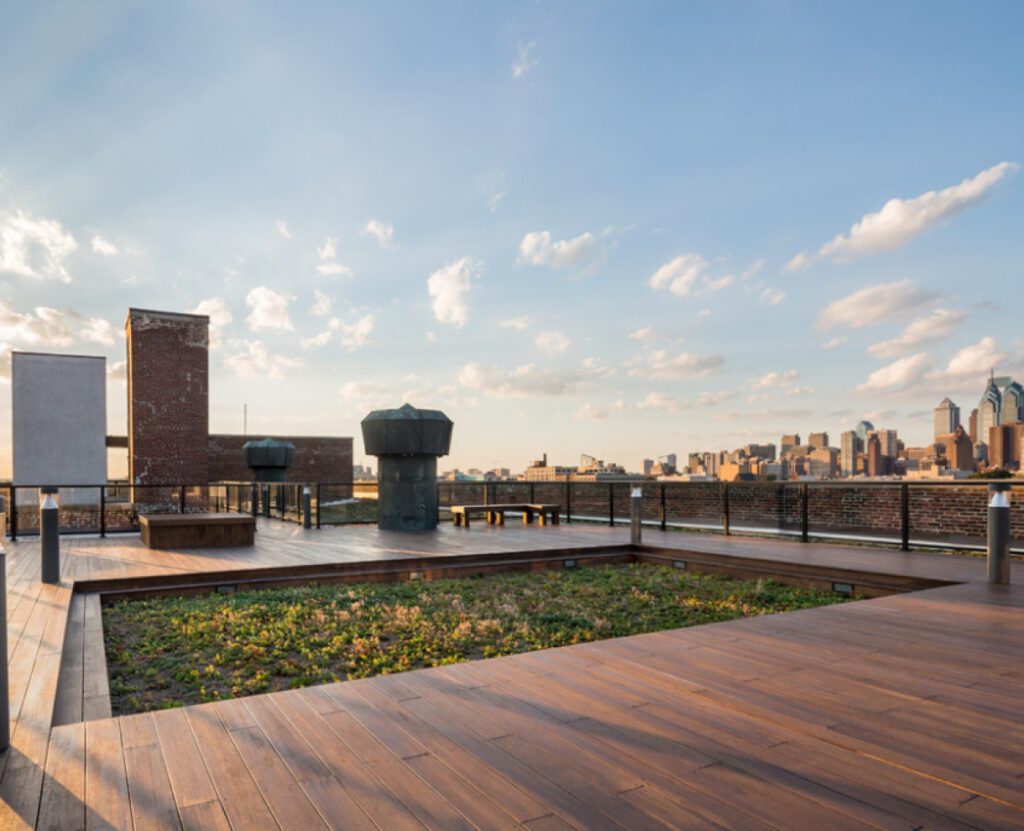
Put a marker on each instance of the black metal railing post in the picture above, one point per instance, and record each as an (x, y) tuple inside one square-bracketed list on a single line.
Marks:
[(103, 510), (905, 517), (533, 493), (568, 500), (14, 514), (611, 505), (664, 510), (726, 520), (805, 521), (318, 505), (181, 499), (255, 499)]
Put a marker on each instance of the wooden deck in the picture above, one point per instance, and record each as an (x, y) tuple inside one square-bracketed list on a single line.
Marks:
[(902, 712)]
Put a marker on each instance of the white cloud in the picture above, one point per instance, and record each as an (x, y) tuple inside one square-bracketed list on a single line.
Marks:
[(268, 310), (900, 220), (98, 330), (383, 232), (593, 412), (322, 304), (527, 381), (795, 391), (519, 324), (220, 317), (351, 336), (254, 361), (329, 250), (939, 324), (642, 334), (329, 264), (524, 61), (772, 380), (712, 399), (449, 287), (365, 393), (977, 359), (680, 276), (44, 327), (495, 200), (704, 313), (832, 344), (874, 304), (773, 296), (334, 269), (551, 343), (660, 401), (897, 376), (35, 248), (118, 371), (282, 229), (584, 254), (659, 365), (103, 247), (801, 261), (5, 362)]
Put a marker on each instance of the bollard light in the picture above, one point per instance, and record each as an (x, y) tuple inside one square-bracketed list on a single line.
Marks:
[(999, 533), (636, 498), (49, 535), (307, 507), (5, 708)]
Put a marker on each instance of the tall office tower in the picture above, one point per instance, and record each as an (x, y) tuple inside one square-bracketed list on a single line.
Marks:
[(669, 459), (818, 440), (789, 441), (1011, 408), (1004, 446), (876, 459), (862, 429), (959, 449), (648, 464), (850, 446), (889, 442), (972, 425), (947, 418), (988, 409)]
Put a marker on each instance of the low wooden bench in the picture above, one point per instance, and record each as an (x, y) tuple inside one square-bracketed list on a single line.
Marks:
[(197, 530), (495, 514)]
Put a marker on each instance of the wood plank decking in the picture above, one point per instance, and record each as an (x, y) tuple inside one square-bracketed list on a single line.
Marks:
[(902, 712)]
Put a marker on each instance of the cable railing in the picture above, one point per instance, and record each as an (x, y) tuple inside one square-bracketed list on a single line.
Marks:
[(888, 512)]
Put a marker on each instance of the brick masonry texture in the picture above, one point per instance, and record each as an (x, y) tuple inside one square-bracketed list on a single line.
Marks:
[(317, 458), (168, 397)]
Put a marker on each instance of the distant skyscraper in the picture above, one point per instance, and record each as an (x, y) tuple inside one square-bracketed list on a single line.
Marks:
[(789, 441), (648, 464), (876, 459), (850, 446), (959, 449), (947, 418), (888, 440), (988, 409), (862, 429), (972, 425), (1011, 409), (818, 440)]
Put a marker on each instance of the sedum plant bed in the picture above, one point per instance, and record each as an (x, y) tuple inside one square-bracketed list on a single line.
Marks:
[(172, 651)]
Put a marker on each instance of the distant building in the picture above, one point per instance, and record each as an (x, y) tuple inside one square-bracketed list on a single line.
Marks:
[(876, 459), (1004, 446), (946, 418), (817, 440), (788, 442), (541, 471), (862, 429), (972, 425), (648, 464), (958, 449), (988, 409), (823, 462), (850, 445), (889, 442)]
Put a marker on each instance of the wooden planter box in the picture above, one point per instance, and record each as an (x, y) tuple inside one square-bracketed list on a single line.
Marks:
[(197, 530)]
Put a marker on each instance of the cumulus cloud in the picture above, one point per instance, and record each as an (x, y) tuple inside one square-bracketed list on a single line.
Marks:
[(679, 276), (254, 361), (524, 61), (874, 304), (97, 330), (773, 380), (43, 327), (519, 324), (900, 220), (660, 401), (583, 254), (334, 269), (773, 296), (832, 344), (351, 336), (449, 287), (35, 248), (282, 229), (527, 381), (595, 412), (220, 317), (642, 334), (975, 360), (897, 376), (383, 232), (329, 264), (712, 399), (103, 247), (329, 250), (939, 324), (660, 365), (268, 310), (495, 200), (551, 343), (118, 371)]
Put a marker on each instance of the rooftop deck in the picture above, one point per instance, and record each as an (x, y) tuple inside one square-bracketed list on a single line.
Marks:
[(900, 712)]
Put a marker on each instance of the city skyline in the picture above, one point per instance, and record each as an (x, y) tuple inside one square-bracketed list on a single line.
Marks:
[(771, 230)]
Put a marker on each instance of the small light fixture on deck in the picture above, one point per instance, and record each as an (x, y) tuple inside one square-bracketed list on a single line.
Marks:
[(845, 589), (415, 575), (569, 563), (228, 589), (678, 564)]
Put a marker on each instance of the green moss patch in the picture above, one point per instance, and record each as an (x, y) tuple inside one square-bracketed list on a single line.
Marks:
[(171, 651)]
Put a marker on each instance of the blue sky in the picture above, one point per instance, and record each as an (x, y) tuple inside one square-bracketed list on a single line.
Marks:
[(572, 226)]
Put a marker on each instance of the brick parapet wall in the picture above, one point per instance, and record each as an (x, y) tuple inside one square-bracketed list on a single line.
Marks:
[(317, 459)]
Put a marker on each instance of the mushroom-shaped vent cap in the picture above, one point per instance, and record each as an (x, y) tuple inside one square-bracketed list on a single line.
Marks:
[(268, 453), (407, 431)]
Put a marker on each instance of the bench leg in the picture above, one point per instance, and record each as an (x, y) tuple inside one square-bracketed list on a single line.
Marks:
[(554, 518), (501, 517)]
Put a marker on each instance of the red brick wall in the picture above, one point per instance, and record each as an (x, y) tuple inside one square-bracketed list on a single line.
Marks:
[(168, 399), (317, 458)]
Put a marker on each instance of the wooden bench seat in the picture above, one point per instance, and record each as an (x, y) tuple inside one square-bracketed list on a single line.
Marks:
[(199, 530), (495, 514)]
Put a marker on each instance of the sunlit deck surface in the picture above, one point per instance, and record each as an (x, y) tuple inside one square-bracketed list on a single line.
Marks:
[(901, 712)]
